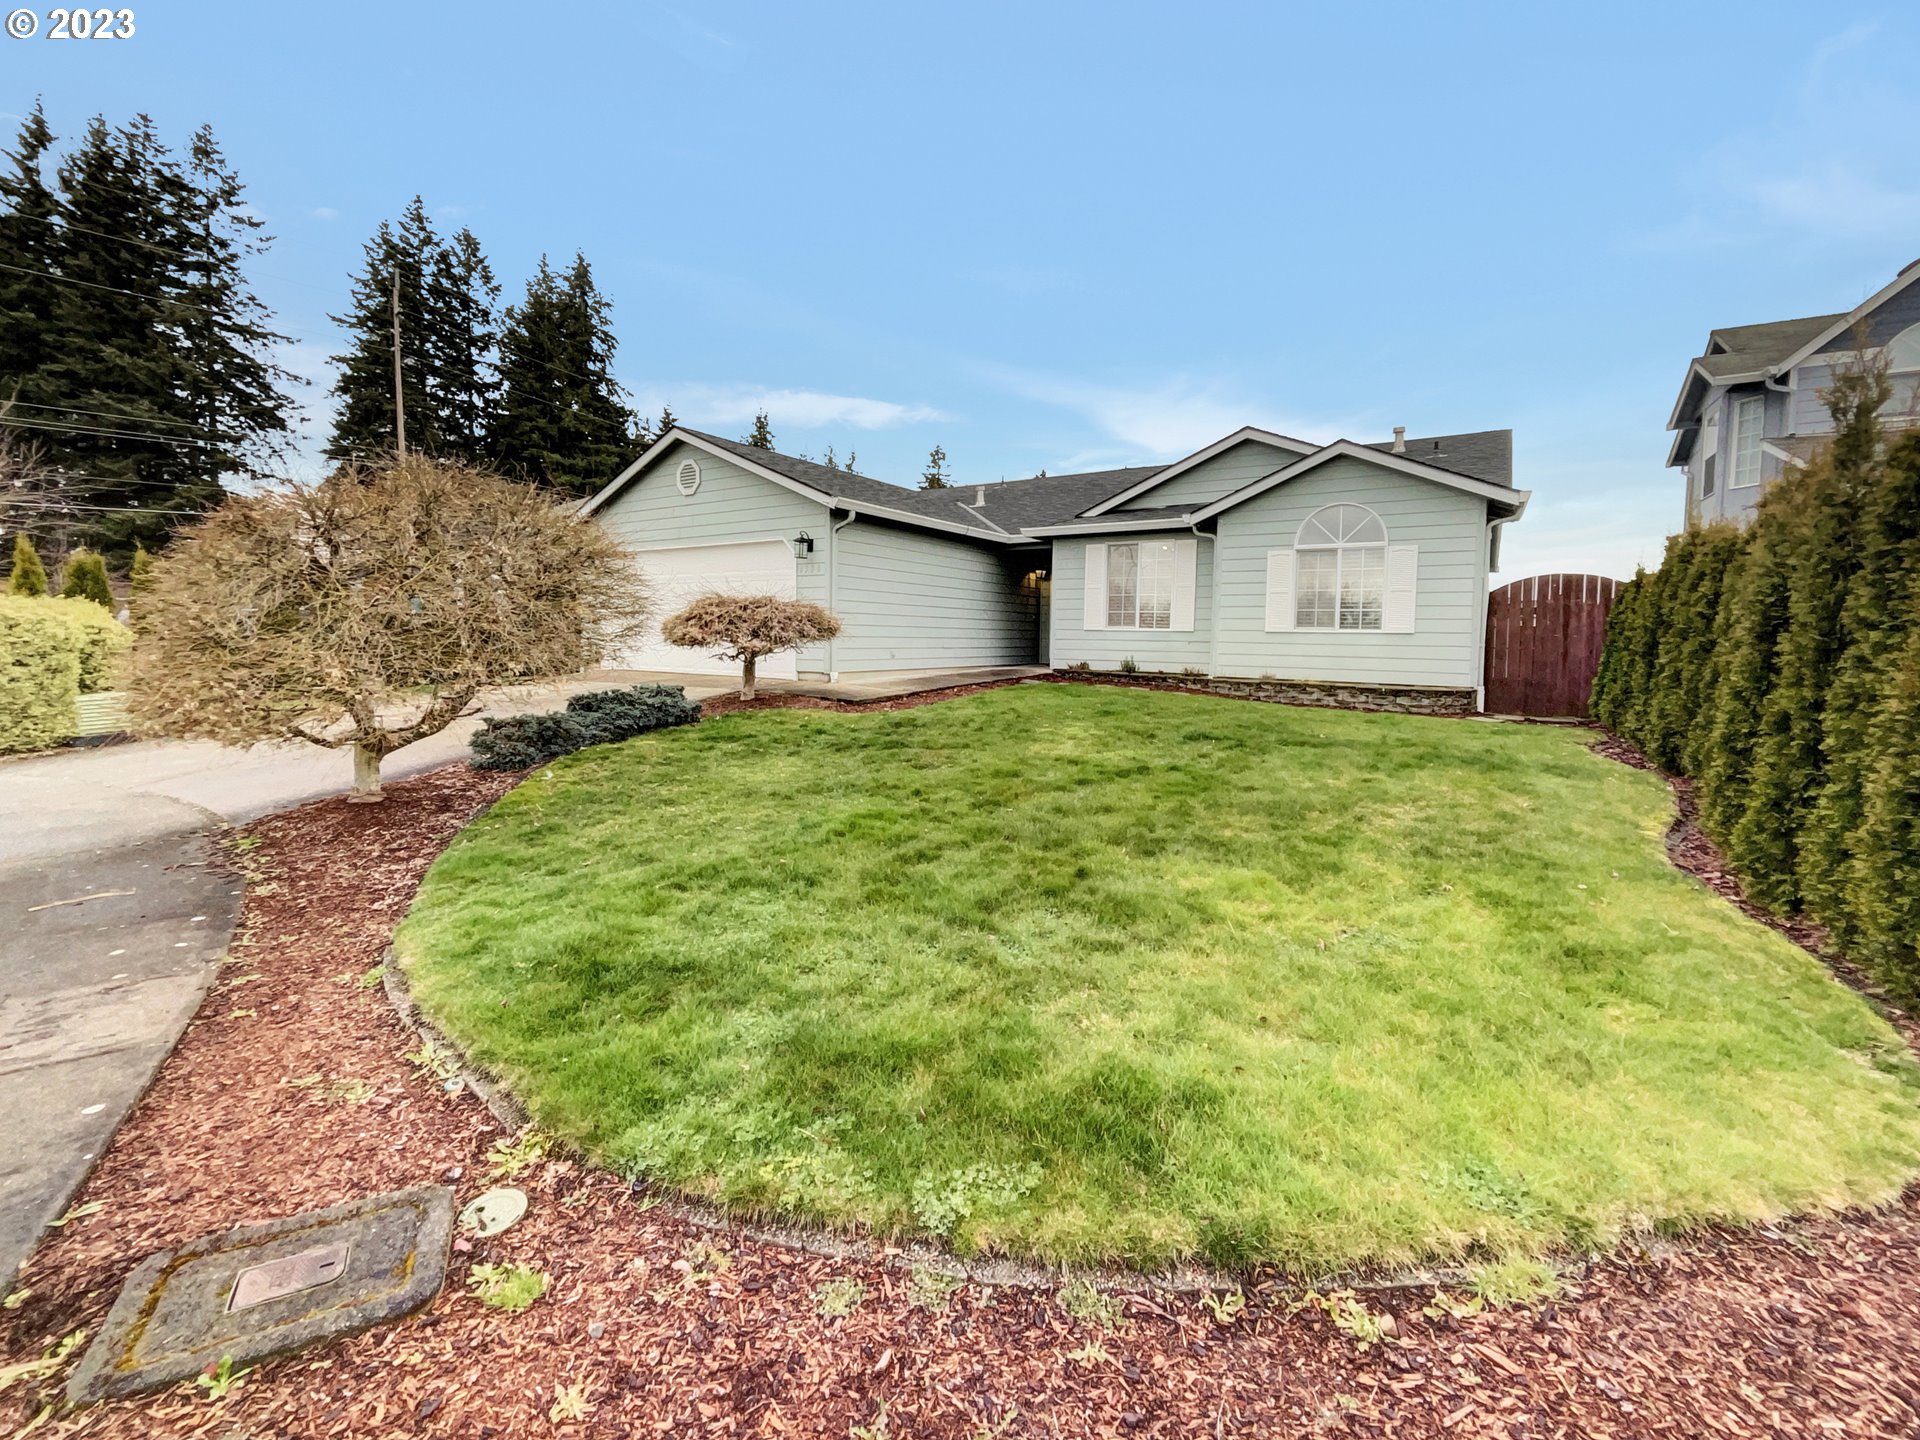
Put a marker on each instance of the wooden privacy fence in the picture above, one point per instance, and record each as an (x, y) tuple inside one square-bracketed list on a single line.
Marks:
[(1544, 635)]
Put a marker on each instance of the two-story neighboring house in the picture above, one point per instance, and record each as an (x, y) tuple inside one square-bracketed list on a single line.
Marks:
[(1751, 406)]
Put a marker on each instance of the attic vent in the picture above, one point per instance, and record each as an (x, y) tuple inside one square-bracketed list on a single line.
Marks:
[(687, 477)]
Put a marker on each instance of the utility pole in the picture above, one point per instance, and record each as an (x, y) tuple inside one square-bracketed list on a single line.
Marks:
[(399, 395)]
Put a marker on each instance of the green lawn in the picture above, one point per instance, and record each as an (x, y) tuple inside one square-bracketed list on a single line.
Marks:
[(1081, 973)]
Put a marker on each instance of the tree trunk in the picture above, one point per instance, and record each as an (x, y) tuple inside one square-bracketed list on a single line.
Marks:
[(746, 676), (366, 775)]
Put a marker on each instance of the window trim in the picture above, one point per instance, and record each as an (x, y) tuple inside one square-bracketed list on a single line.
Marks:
[(1167, 580), (1738, 461), (1340, 550)]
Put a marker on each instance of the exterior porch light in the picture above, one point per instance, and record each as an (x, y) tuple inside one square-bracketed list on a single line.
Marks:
[(802, 545)]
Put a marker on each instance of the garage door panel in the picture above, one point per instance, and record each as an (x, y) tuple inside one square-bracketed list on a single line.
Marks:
[(681, 574)]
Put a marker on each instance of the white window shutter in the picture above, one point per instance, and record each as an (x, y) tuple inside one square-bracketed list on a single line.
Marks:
[(1185, 558), (1403, 572), (1280, 589), (1093, 615)]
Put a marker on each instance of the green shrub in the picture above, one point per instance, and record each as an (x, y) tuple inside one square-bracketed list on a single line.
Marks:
[(39, 675), (29, 576), (98, 637), (516, 742), (614, 715), (87, 579), (599, 717)]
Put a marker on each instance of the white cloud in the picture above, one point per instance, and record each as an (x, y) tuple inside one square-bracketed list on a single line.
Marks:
[(325, 212), (1161, 419), (1836, 198), (702, 405)]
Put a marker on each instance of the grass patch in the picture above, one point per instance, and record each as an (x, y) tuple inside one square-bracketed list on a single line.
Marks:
[(1091, 974)]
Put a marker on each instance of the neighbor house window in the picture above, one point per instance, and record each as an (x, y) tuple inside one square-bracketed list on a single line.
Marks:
[(1747, 416), (1140, 586), (1340, 577)]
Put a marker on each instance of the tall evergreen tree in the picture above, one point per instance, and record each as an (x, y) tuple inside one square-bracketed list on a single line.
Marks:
[(363, 424), (665, 423), (562, 419), (234, 394), (30, 242), (1886, 843), (1880, 601), (464, 316), (762, 436), (118, 365), (1753, 612), (1817, 512), (935, 476)]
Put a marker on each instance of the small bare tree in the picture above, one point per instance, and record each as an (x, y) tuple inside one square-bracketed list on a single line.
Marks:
[(369, 609), (744, 628)]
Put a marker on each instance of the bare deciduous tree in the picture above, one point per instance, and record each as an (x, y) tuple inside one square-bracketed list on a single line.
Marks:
[(369, 609), (744, 628)]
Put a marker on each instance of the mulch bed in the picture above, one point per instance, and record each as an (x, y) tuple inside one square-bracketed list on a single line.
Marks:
[(668, 1328)]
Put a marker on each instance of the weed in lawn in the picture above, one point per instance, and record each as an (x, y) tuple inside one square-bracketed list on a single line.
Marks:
[(1452, 1307), (16, 1298), (840, 1297), (932, 1290), (506, 1159), (1482, 1186), (370, 980), (569, 1404), (244, 843), (1089, 1304), (941, 1202), (1091, 1353), (1515, 1280), (46, 1365), (222, 1379), (512, 1288)]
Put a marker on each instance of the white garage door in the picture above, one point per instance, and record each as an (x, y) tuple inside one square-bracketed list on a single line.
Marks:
[(682, 573)]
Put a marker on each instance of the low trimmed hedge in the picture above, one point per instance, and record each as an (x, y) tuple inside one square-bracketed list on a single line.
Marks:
[(516, 742), (51, 653)]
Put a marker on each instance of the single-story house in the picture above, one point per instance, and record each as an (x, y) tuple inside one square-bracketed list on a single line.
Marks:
[(1347, 572)]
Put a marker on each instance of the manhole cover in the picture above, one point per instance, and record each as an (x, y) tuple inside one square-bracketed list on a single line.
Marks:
[(494, 1211), (262, 1290)]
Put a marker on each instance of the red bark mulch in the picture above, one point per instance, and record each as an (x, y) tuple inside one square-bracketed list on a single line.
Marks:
[(1806, 1329)]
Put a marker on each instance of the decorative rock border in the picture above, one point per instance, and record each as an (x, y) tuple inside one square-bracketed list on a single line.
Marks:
[(1448, 700)]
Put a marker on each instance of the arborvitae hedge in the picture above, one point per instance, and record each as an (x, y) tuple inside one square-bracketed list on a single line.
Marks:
[(1780, 668)]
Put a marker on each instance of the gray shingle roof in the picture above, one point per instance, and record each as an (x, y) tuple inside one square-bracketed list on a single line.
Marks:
[(1772, 341), (1013, 505)]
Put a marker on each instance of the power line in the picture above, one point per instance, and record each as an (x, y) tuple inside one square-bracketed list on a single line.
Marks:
[(107, 414), (100, 432), (110, 289)]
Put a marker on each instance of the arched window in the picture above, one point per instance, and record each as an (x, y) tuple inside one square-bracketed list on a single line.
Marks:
[(1903, 351), (1340, 574)]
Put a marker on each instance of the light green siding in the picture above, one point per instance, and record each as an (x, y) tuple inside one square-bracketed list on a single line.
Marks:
[(1448, 525), (908, 599), (1225, 473), (731, 505), (1073, 644)]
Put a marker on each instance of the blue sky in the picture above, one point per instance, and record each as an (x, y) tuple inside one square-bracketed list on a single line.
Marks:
[(1075, 236)]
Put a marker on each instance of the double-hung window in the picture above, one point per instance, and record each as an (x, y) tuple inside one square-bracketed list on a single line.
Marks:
[(1140, 585), (1748, 414), (1340, 570)]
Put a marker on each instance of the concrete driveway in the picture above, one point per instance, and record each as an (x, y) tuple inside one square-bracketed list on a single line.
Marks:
[(115, 914)]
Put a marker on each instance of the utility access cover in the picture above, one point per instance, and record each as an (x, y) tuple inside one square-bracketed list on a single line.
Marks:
[(262, 1290)]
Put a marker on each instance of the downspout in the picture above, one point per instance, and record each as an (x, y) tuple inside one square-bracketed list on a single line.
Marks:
[(1486, 601), (1213, 600), (833, 588)]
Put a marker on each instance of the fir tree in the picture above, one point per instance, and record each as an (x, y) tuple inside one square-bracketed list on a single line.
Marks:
[(29, 576), (762, 436), (935, 476), (465, 322), (1817, 511), (830, 462), (363, 424), (562, 420), (235, 397), (86, 579), (853, 457), (1753, 613), (665, 423), (30, 242), (1693, 574)]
